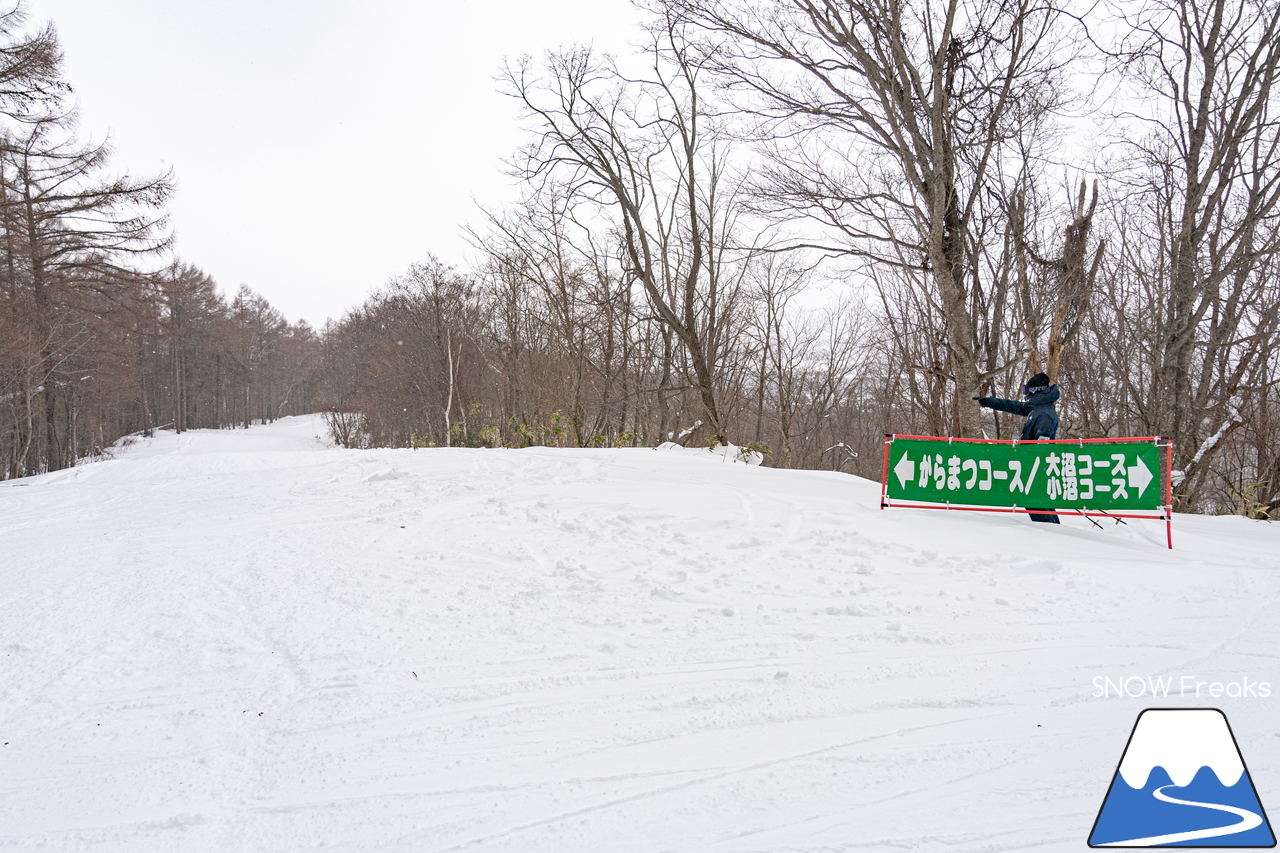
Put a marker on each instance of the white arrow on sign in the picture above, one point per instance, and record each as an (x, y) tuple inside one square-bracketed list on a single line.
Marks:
[(1140, 476), (906, 470)]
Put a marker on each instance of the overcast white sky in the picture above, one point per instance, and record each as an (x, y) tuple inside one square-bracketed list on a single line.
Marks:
[(320, 147)]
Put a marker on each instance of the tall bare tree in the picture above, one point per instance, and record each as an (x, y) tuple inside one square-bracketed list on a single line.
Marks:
[(31, 84), (1070, 279), (647, 156), (71, 233), (893, 116), (1206, 72)]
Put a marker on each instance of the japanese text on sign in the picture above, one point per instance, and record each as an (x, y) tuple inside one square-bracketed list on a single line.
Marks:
[(1110, 476)]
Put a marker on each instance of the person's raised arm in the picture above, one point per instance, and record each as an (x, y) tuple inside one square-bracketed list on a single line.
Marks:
[(1013, 407)]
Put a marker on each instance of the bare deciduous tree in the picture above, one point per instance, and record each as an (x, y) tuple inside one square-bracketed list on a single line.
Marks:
[(1206, 74), (647, 155), (895, 116)]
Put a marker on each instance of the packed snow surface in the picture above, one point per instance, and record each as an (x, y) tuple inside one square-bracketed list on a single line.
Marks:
[(251, 641)]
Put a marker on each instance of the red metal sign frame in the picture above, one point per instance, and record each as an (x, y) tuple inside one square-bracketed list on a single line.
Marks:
[(1166, 512)]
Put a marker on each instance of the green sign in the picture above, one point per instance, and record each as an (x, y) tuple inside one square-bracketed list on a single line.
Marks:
[(1106, 477)]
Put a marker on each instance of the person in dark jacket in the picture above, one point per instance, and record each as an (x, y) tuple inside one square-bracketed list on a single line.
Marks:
[(1040, 413)]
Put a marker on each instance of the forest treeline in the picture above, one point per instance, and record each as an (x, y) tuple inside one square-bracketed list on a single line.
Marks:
[(786, 224), (102, 334)]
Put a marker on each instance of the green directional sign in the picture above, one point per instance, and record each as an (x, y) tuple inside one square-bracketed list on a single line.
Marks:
[(1104, 477)]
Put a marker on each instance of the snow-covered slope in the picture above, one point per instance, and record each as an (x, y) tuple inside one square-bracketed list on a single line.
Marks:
[(248, 641)]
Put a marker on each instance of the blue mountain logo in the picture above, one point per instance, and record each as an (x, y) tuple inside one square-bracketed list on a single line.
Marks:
[(1181, 783)]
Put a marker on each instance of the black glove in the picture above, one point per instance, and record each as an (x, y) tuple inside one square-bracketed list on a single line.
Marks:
[(982, 401)]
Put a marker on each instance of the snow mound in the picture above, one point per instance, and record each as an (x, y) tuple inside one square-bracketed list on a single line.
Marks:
[(720, 453)]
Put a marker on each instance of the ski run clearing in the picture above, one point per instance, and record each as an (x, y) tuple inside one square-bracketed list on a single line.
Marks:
[(249, 640)]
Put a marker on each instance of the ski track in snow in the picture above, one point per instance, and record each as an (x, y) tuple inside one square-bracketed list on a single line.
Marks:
[(247, 640)]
